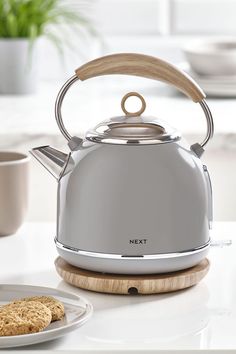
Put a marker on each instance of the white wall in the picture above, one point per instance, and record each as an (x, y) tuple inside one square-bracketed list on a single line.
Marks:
[(151, 26)]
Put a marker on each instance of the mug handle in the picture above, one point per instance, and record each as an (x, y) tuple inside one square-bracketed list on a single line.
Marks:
[(144, 66)]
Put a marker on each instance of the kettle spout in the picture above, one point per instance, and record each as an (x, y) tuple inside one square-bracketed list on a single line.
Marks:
[(56, 162)]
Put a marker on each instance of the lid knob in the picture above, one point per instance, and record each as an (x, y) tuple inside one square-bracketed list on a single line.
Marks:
[(137, 113)]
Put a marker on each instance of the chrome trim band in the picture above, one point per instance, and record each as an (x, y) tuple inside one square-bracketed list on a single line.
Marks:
[(122, 257), (168, 138), (65, 133)]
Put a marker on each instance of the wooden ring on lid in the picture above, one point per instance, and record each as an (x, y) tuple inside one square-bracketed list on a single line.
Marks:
[(137, 113)]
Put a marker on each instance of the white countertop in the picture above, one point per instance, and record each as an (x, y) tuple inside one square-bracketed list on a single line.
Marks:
[(32, 116), (202, 317)]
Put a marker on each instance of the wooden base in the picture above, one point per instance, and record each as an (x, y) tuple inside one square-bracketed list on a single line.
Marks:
[(131, 284)]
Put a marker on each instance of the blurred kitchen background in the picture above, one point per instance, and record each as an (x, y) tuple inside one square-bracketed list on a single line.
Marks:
[(157, 27)]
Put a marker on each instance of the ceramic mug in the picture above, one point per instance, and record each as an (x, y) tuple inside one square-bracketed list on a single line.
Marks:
[(14, 174)]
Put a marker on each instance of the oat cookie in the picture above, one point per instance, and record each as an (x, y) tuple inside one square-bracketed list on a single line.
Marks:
[(55, 306), (23, 318)]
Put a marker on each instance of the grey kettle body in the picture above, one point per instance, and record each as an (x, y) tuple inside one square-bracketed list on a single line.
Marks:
[(133, 196)]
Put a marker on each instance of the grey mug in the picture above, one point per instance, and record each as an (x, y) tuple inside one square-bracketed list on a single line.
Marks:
[(14, 175)]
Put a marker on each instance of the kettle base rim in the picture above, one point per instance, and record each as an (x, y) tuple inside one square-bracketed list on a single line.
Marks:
[(147, 264)]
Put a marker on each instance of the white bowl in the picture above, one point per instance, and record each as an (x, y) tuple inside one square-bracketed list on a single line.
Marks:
[(212, 57)]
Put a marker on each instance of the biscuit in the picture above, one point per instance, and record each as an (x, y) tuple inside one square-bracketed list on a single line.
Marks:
[(23, 318), (55, 306)]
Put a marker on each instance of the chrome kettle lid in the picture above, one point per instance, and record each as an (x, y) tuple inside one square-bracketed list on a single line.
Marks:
[(133, 128)]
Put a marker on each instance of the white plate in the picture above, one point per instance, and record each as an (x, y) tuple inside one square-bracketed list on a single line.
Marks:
[(218, 86), (77, 312)]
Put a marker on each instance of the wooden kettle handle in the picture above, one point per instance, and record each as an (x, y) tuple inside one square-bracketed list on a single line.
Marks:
[(141, 65)]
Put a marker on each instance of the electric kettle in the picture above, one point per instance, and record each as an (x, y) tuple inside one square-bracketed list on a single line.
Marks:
[(133, 196)]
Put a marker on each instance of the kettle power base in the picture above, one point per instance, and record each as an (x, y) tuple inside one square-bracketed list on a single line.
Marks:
[(131, 284)]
